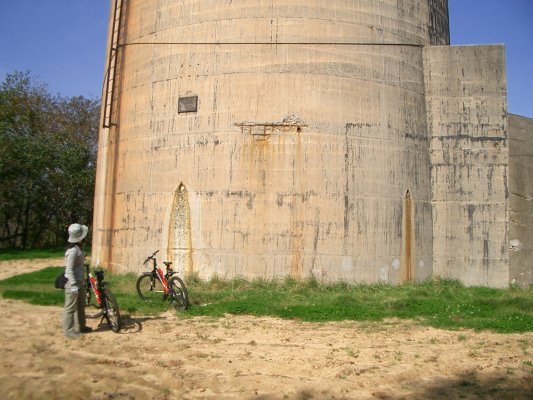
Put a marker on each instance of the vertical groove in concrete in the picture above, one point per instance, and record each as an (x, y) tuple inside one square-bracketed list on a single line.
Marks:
[(179, 248), (408, 240)]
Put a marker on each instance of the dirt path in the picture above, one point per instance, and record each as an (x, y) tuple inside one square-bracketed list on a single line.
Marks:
[(241, 357)]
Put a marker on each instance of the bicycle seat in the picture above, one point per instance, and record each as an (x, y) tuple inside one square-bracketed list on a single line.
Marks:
[(168, 264)]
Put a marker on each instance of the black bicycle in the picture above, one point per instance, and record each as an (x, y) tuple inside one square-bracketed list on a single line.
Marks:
[(103, 299), (158, 286)]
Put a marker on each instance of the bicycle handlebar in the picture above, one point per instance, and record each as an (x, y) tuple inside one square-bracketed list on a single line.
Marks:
[(152, 257)]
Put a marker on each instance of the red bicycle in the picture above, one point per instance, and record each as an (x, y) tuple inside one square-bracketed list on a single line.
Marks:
[(158, 286), (103, 299)]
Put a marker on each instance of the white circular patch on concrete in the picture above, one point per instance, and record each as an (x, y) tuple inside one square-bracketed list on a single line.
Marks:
[(515, 245), (384, 273), (396, 264)]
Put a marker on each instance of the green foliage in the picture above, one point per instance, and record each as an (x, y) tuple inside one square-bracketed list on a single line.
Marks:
[(441, 303), (47, 162)]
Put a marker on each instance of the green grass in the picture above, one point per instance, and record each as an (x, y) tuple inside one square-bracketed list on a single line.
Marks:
[(13, 254), (440, 303), (38, 288)]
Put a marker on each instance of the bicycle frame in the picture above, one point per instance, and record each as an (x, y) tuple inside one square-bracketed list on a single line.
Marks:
[(95, 284), (163, 278), (104, 299), (173, 287), (157, 273)]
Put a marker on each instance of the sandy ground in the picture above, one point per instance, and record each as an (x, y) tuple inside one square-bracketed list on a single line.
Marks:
[(242, 357)]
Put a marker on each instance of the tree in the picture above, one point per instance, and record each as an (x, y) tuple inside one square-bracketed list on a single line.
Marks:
[(48, 150)]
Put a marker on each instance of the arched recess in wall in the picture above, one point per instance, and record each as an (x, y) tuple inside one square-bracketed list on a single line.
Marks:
[(179, 232), (408, 240)]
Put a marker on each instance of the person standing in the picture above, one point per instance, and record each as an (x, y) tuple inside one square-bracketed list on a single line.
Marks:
[(74, 312)]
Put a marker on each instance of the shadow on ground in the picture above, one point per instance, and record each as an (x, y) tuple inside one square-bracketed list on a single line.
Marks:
[(128, 324), (467, 385)]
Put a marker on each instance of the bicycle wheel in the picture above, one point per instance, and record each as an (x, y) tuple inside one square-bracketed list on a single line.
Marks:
[(112, 313), (150, 288), (179, 296)]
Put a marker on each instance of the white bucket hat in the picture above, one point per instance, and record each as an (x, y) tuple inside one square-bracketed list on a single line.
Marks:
[(77, 233)]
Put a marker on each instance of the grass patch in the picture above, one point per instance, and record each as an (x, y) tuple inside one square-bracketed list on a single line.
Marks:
[(13, 254), (442, 304), (38, 288)]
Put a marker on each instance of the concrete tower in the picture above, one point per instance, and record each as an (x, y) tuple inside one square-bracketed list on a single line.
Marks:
[(343, 139)]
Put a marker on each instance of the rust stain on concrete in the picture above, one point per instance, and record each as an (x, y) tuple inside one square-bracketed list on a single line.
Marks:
[(408, 240)]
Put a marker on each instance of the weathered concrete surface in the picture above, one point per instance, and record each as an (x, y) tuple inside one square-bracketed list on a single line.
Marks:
[(299, 158), (294, 21), (466, 110), (311, 151), (521, 199), (269, 197)]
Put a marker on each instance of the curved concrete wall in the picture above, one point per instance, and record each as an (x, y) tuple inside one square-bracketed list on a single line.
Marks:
[(308, 152), (295, 21)]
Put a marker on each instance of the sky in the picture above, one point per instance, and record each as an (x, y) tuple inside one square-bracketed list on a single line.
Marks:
[(62, 42)]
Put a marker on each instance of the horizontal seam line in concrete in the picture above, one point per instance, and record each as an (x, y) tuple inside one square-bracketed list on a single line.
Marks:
[(478, 202), (276, 43)]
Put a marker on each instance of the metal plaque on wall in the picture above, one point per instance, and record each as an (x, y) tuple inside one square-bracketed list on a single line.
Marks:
[(187, 104)]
